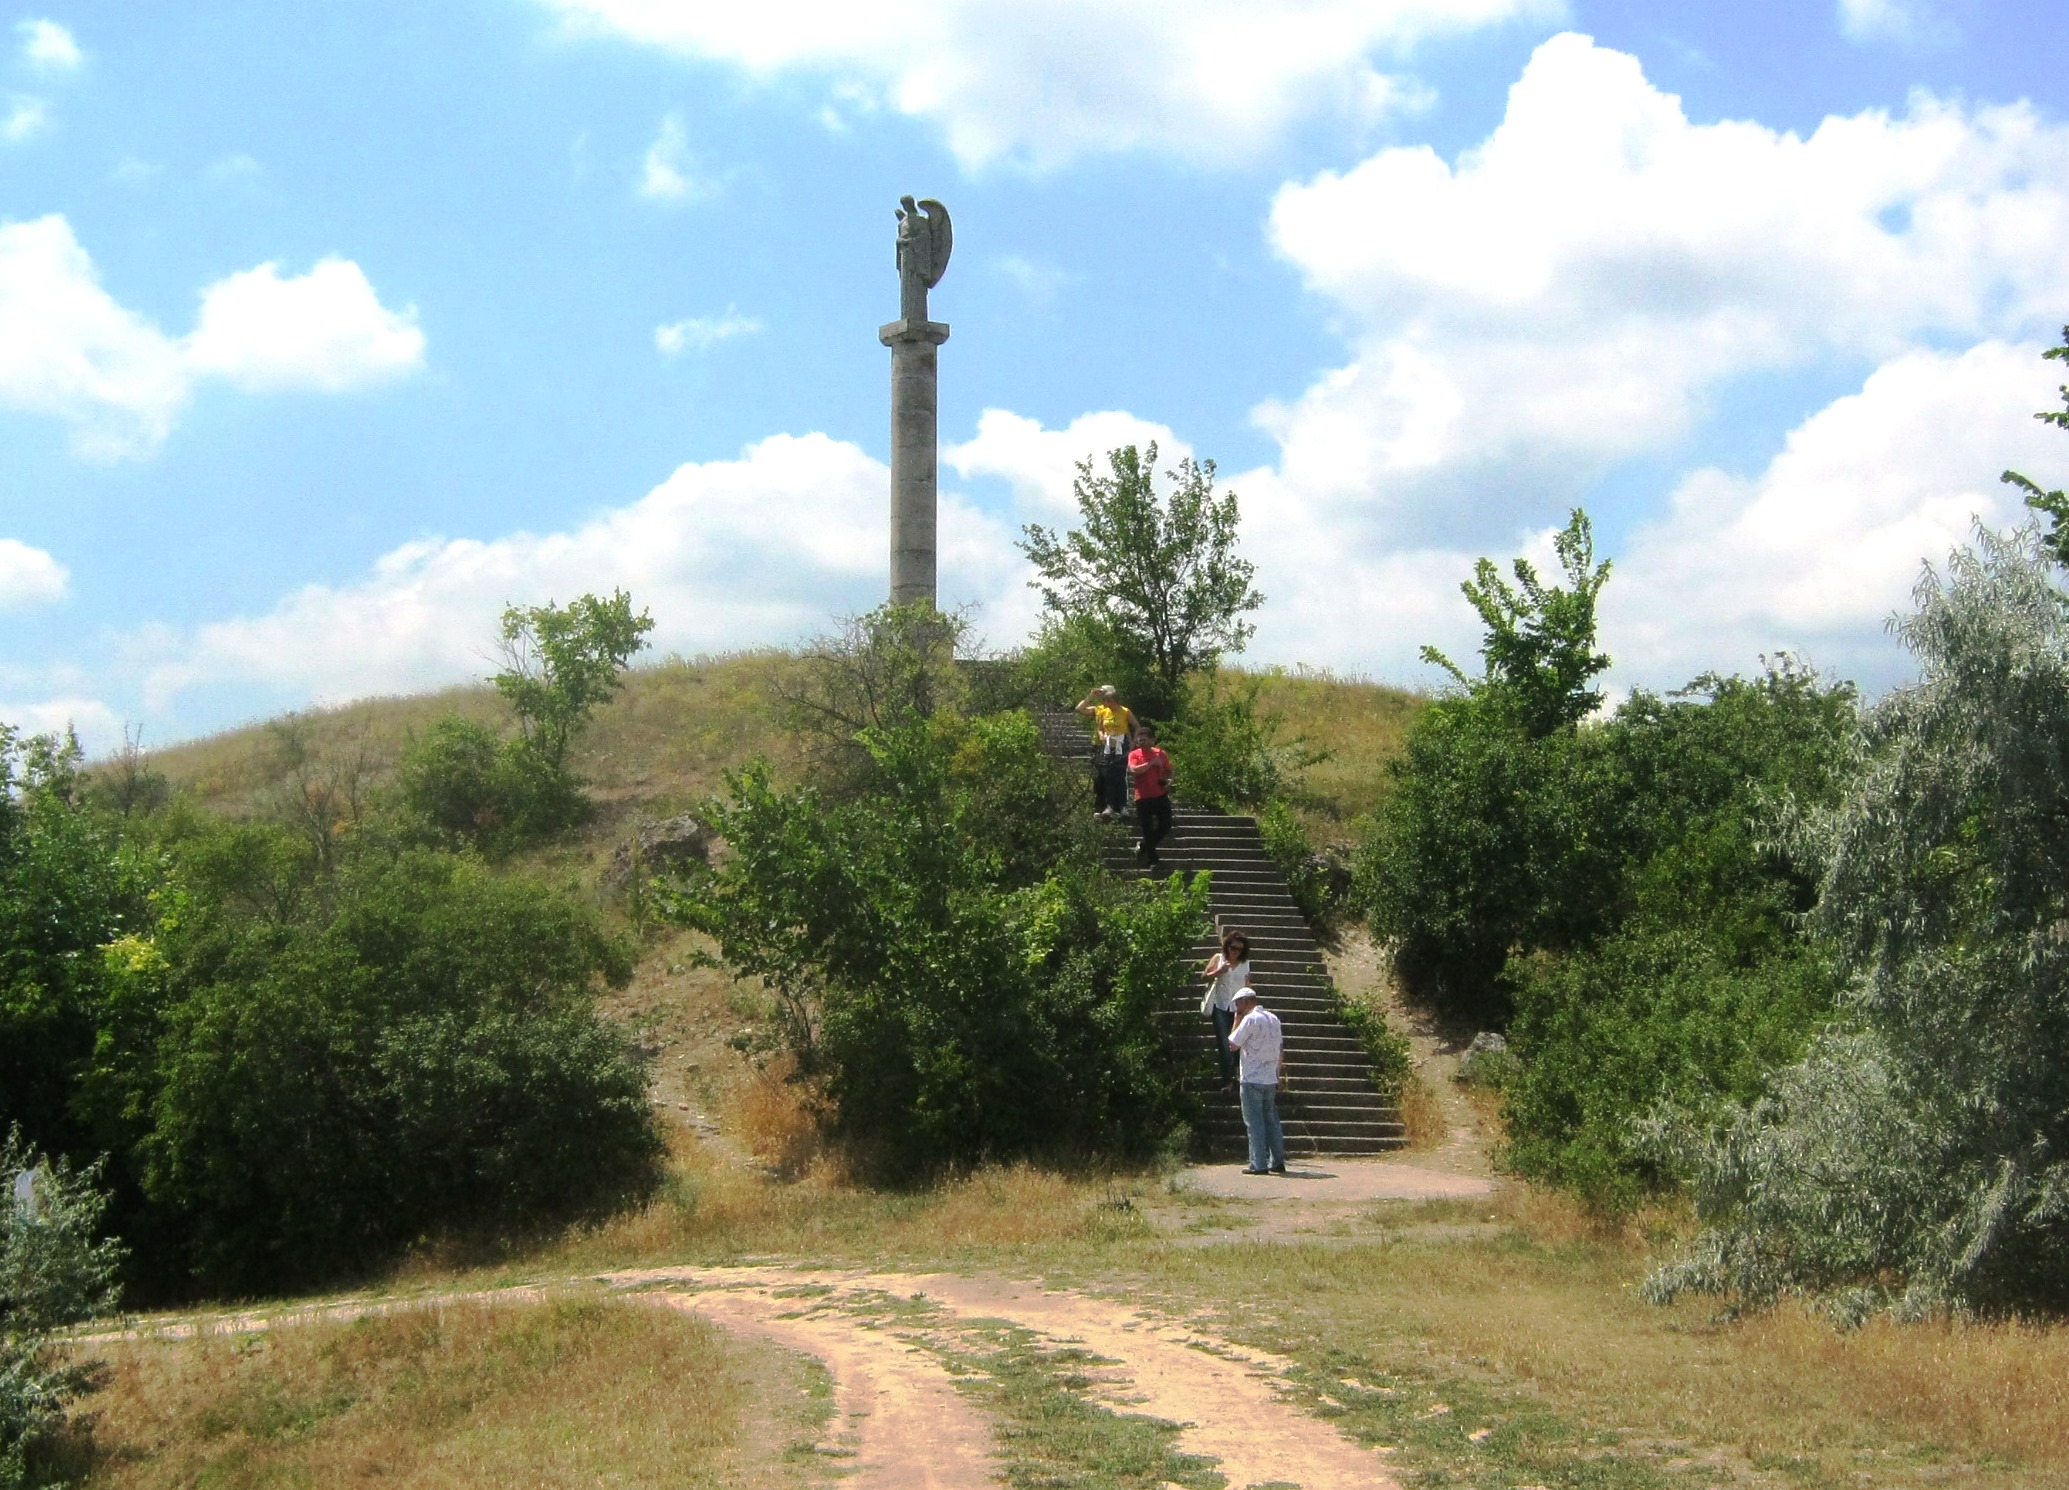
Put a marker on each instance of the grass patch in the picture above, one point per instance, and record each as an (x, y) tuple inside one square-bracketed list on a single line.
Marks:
[(1360, 724), (576, 1391), (663, 741), (1050, 1435), (1517, 1312)]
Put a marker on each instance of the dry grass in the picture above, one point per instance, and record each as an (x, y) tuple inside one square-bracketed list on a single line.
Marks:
[(717, 1211), (1526, 1307), (773, 1114), (664, 740), (1422, 1114), (576, 1391), (678, 725), (1361, 724)]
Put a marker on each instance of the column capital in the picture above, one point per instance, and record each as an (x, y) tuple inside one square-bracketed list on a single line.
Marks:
[(891, 333)]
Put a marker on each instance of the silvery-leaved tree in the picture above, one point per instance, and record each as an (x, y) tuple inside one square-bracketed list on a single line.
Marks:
[(1918, 1158), (53, 1272)]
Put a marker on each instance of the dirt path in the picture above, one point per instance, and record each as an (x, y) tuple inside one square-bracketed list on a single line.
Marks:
[(901, 1423), (1228, 1402)]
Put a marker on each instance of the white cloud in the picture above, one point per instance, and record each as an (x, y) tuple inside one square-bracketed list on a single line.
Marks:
[(669, 172), (702, 333), (1815, 552), (1040, 465), (48, 47), (70, 351), (1570, 291), (325, 330), (26, 117), (1906, 22), (237, 167), (98, 727), (29, 576), (1043, 81), (1038, 280), (726, 554)]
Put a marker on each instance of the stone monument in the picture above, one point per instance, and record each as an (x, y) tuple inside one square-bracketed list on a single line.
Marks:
[(924, 241)]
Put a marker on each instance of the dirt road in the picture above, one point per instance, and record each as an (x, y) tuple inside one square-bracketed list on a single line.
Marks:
[(1229, 1402)]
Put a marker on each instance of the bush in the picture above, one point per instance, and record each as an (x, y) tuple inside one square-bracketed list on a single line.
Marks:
[(54, 1271), (954, 972), (1225, 750), (1317, 880), (467, 787), (1393, 1061), (411, 1052), (1913, 1159), (1490, 841), (1703, 984)]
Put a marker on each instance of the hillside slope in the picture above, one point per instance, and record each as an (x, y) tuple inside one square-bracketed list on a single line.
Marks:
[(679, 725)]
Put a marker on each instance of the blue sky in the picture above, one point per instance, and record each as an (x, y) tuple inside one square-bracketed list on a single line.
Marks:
[(323, 335)]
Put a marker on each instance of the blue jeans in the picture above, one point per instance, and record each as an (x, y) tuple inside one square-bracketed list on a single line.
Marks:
[(1261, 1122)]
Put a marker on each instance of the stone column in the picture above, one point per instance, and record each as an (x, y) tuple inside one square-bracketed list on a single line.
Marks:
[(914, 363)]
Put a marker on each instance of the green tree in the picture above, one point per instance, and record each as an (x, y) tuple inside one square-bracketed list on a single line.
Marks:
[(2053, 505), (1500, 831), (463, 784), (952, 968), (1539, 653), (1702, 983), (1165, 575), (560, 662), (68, 884)]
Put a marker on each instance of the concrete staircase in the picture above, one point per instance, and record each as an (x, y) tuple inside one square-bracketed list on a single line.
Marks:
[(1329, 1104)]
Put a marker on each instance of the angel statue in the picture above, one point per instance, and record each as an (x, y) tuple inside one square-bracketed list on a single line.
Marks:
[(924, 241)]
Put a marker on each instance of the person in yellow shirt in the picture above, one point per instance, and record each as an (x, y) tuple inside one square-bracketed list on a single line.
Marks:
[(1113, 726)]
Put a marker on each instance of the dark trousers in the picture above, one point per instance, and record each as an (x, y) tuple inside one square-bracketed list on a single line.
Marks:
[(1153, 815), (1224, 1021), (1109, 782)]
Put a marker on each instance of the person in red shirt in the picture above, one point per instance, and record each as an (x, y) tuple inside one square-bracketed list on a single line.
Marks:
[(1150, 770)]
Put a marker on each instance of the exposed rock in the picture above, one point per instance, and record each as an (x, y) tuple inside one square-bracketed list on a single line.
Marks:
[(663, 847), (1485, 1060)]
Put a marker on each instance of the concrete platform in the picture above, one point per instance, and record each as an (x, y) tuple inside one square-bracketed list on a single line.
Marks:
[(1334, 1180)]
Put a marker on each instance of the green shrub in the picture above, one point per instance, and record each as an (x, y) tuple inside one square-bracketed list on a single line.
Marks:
[(1225, 749), (1704, 983), (963, 988), (1316, 880), (412, 1051), (1653, 1013), (1491, 841), (468, 787), (55, 1270), (1392, 1059)]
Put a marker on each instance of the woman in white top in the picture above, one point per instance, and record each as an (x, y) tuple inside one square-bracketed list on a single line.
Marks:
[(1228, 974)]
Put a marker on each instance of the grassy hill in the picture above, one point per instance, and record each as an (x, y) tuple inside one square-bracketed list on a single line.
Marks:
[(679, 725)]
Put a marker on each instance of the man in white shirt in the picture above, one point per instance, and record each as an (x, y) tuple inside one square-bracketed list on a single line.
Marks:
[(1262, 1045)]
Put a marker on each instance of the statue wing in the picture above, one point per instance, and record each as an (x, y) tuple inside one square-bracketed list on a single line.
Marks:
[(941, 240)]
